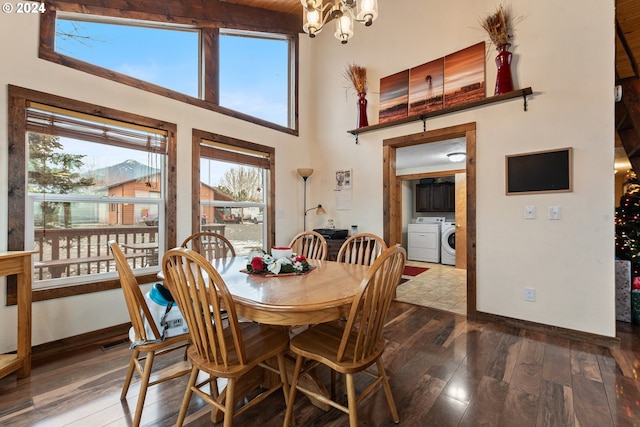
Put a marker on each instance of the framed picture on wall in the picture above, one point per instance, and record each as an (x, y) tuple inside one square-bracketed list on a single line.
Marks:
[(539, 172), (464, 73), (426, 87), (394, 97)]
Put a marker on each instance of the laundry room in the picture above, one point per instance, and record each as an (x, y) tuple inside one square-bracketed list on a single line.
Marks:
[(432, 219), (433, 178)]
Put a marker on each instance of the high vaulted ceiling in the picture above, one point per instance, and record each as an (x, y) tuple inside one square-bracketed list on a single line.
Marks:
[(627, 38), (627, 56), (293, 7)]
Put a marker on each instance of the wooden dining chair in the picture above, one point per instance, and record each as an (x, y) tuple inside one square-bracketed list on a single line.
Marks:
[(311, 244), (145, 346), (210, 245), (362, 248), (352, 347), (221, 350)]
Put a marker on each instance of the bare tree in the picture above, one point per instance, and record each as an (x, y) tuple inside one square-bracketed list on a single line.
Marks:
[(244, 184)]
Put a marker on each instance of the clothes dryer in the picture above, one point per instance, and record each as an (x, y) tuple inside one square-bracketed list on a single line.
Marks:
[(424, 239), (448, 243)]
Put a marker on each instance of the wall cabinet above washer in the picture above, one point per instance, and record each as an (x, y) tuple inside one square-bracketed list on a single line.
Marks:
[(436, 197)]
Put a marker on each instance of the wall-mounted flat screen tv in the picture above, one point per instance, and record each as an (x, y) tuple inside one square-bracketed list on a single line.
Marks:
[(539, 172)]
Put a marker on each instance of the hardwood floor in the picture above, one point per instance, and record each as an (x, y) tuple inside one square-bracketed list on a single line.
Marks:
[(444, 371)]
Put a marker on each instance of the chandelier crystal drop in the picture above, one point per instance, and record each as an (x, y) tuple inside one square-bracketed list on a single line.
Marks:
[(344, 12)]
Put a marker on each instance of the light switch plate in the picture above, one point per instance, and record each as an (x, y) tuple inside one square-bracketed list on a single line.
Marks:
[(529, 294), (554, 212), (529, 212)]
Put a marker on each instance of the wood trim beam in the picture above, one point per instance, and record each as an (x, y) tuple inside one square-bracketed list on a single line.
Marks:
[(433, 174), (200, 13), (627, 49)]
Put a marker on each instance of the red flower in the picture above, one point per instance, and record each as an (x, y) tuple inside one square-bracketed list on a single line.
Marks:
[(257, 263), (300, 258)]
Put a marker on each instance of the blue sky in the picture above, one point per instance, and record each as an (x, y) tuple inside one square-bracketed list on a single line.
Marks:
[(136, 51), (253, 73)]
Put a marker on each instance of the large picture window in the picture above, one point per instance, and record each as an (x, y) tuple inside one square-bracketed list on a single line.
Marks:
[(89, 179), (256, 82), (134, 49), (228, 61)]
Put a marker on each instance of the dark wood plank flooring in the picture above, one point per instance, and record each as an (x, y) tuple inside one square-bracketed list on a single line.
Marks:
[(444, 371)]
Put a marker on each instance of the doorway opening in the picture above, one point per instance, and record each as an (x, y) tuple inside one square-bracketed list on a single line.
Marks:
[(393, 205)]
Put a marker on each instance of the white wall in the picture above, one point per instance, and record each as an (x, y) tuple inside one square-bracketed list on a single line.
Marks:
[(60, 318), (565, 52)]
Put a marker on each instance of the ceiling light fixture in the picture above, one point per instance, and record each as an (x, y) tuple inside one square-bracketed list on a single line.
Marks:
[(315, 15), (457, 156)]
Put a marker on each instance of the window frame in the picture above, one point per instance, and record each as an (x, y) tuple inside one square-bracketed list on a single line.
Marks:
[(18, 100), (221, 16), (200, 137)]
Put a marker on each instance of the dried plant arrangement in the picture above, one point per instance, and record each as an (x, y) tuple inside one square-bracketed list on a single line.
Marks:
[(357, 76), (498, 26)]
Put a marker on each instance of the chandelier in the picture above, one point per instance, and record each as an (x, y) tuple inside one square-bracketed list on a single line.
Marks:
[(344, 12)]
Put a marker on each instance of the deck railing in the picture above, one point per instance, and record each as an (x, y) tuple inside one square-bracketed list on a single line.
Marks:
[(66, 252)]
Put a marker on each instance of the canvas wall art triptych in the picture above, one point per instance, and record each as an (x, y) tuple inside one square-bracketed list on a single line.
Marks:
[(455, 79)]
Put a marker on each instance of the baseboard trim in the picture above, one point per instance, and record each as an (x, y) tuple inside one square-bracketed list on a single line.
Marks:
[(46, 351), (551, 330)]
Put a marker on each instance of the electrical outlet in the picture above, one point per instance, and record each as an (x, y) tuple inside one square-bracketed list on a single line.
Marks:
[(529, 294)]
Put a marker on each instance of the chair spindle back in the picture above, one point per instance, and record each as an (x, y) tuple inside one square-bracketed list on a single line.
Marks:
[(201, 293), (370, 305), (310, 244), (363, 249)]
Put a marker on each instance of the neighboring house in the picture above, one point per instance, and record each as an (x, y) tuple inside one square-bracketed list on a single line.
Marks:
[(129, 214)]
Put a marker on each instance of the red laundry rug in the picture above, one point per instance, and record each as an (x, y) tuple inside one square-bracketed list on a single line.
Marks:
[(413, 271)]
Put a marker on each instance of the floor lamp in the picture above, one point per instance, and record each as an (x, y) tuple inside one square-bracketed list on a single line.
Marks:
[(306, 173)]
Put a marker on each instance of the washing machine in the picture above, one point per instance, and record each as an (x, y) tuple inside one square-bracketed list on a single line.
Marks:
[(423, 242), (448, 243)]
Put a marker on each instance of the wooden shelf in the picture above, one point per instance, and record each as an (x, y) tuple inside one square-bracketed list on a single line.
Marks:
[(423, 117)]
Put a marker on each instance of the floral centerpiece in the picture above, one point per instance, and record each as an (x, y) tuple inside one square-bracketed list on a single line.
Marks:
[(267, 264)]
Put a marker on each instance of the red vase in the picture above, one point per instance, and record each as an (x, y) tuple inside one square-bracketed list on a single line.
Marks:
[(362, 110), (504, 82)]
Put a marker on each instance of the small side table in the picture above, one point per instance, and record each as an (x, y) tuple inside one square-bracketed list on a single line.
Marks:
[(19, 263)]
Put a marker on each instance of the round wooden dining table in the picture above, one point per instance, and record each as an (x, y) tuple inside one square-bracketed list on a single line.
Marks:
[(321, 295)]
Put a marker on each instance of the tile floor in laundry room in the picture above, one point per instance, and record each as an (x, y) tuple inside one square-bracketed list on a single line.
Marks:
[(442, 286)]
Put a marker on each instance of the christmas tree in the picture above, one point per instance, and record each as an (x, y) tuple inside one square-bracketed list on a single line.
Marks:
[(628, 237)]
